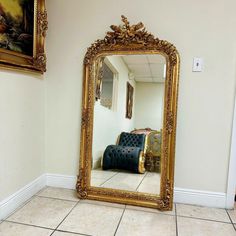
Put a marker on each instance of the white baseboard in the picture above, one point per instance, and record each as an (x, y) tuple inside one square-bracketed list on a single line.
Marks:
[(11, 203), (61, 181), (201, 198), (185, 196)]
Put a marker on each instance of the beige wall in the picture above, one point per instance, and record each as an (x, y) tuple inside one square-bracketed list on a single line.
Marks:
[(197, 28), (108, 124), (149, 105), (21, 130)]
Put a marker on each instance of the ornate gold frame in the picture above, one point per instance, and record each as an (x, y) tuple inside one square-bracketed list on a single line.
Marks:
[(130, 39), (129, 101), (37, 62)]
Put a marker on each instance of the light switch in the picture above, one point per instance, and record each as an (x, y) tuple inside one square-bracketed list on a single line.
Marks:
[(197, 64)]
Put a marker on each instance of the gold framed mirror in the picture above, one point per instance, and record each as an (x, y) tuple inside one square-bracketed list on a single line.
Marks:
[(121, 160)]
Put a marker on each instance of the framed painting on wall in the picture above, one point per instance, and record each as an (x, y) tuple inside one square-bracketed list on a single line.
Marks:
[(129, 101), (23, 25)]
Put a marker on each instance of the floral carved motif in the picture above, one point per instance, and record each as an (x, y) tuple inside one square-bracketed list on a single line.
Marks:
[(42, 23), (40, 61), (170, 122), (128, 37), (85, 118), (82, 191)]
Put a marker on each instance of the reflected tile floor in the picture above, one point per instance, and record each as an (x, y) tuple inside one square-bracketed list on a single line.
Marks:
[(148, 182), (58, 212)]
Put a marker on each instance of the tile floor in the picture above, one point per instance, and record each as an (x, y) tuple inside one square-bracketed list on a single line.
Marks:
[(58, 212), (148, 182)]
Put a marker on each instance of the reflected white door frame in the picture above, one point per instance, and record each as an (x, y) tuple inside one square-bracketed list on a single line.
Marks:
[(231, 188)]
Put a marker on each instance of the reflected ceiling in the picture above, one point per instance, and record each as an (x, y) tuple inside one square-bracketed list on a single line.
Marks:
[(146, 68)]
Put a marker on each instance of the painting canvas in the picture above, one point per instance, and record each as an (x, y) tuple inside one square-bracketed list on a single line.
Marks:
[(17, 26), (129, 101)]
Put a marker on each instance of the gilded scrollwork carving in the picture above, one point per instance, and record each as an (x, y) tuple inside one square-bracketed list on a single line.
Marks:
[(128, 37), (126, 34), (82, 191), (42, 23), (85, 118), (40, 62), (170, 122)]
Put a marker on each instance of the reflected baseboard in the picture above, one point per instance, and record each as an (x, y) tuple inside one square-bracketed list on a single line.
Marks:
[(97, 164)]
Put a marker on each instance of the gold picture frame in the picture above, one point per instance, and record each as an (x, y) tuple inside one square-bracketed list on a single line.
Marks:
[(129, 101), (10, 59), (129, 39)]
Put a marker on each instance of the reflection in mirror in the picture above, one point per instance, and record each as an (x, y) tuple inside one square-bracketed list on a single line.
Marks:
[(127, 149), (108, 77)]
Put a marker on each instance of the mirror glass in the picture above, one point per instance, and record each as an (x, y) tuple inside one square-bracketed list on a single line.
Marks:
[(128, 123)]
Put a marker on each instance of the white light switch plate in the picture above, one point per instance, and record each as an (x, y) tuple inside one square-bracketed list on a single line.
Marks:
[(197, 64)]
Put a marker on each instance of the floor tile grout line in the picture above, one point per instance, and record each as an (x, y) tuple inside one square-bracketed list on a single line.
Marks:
[(58, 199), (176, 221), (35, 226), (41, 227), (230, 219), (196, 218), (141, 182), (53, 232), (109, 179), (91, 203), (146, 211), (120, 220), (71, 232), (19, 208), (67, 214)]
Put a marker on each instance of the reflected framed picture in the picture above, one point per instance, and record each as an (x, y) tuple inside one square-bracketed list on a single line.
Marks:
[(23, 25), (129, 100)]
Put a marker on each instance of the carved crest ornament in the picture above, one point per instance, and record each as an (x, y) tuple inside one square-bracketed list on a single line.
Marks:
[(129, 39)]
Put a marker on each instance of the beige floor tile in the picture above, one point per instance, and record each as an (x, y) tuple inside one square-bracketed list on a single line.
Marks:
[(195, 227), (151, 210), (96, 182), (59, 193), (109, 204), (12, 229), (202, 212), (150, 184), (152, 188), (137, 223), (153, 175), (124, 181), (57, 233), (232, 214), (44, 212), (101, 174), (92, 219)]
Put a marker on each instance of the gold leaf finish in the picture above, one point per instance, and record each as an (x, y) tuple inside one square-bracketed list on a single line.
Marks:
[(42, 23), (129, 39), (40, 62)]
